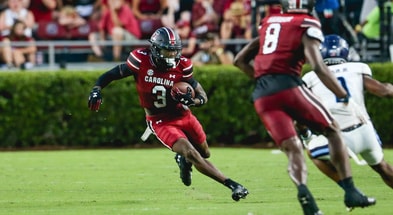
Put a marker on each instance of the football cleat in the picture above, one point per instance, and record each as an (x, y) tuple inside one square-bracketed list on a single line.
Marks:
[(355, 199), (239, 192), (185, 169)]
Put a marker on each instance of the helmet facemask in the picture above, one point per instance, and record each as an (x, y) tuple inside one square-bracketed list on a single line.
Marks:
[(165, 58), (297, 6)]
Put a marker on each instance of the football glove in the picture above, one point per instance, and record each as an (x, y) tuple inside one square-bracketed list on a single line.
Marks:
[(184, 98), (345, 99), (95, 99)]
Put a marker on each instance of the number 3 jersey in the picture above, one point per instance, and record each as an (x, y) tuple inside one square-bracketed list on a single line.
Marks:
[(154, 84), (350, 76), (281, 50)]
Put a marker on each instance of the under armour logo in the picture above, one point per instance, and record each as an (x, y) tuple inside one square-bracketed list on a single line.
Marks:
[(184, 101), (172, 76), (303, 200), (159, 121)]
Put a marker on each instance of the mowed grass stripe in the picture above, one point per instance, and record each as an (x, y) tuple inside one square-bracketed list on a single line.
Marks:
[(146, 181)]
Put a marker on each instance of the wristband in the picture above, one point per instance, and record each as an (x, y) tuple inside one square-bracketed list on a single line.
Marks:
[(201, 99)]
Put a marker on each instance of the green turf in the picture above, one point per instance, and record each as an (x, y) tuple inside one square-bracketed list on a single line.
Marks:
[(146, 181)]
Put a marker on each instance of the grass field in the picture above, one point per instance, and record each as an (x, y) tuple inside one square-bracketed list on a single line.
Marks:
[(146, 181)]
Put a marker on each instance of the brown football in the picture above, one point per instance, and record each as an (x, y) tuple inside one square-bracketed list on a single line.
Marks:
[(183, 87)]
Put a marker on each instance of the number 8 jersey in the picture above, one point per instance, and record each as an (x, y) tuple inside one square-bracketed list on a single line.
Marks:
[(281, 50)]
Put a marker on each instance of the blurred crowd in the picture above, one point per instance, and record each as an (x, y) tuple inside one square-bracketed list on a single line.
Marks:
[(203, 24)]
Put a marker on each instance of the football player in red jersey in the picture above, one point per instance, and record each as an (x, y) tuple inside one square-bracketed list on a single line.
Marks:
[(280, 98), (155, 70)]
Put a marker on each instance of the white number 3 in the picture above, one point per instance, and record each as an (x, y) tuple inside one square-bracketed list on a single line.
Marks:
[(271, 38)]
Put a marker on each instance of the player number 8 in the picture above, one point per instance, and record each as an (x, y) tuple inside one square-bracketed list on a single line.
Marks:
[(271, 38)]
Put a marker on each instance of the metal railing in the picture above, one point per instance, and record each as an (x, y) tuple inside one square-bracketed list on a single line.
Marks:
[(53, 47)]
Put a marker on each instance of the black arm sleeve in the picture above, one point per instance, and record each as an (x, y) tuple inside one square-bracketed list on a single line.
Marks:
[(193, 82), (118, 72)]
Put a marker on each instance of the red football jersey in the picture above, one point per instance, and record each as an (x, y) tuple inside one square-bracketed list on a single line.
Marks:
[(281, 49), (154, 85)]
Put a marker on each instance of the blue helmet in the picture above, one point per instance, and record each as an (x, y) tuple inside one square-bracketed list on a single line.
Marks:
[(334, 50)]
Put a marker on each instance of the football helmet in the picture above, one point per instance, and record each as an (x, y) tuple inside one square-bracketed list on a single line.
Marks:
[(165, 47), (334, 50), (297, 6)]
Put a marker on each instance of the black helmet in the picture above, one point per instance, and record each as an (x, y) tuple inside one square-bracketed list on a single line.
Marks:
[(297, 6), (163, 41), (334, 50)]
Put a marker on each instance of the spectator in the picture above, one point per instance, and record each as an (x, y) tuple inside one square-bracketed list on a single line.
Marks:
[(16, 11), (211, 51), (203, 15), (261, 9), (333, 21), (104, 3), (184, 5), (367, 7), (19, 56), (70, 18), (118, 23), (87, 9), (183, 28), (352, 10), (183, 25), (150, 14), (197, 34), (219, 6), (168, 19), (273, 8), (236, 20), (236, 23), (43, 10), (370, 28), (149, 9)]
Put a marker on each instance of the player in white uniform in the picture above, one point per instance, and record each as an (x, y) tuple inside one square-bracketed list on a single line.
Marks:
[(356, 126)]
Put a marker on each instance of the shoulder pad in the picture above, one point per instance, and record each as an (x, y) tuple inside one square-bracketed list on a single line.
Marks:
[(315, 33)]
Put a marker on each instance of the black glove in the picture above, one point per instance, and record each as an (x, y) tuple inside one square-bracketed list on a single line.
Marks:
[(95, 99), (184, 98), (345, 99)]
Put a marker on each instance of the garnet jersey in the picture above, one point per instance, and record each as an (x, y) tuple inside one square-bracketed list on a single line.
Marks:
[(281, 49), (154, 85)]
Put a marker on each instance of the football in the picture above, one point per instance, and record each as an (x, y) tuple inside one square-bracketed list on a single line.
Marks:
[(183, 87)]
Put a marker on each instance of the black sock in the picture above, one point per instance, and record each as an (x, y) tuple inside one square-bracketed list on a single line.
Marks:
[(302, 190), (306, 200), (340, 183), (347, 184), (230, 184)]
